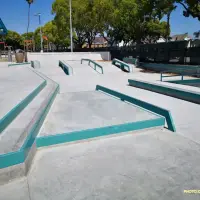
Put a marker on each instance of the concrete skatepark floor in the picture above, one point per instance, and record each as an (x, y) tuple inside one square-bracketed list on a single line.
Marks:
[(11, 83), (155, 164), (149, 164)]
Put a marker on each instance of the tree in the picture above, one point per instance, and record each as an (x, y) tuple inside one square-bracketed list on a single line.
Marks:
[(197, 34), (139, 21), (132, 21), (50, 30), (29, 7), (191, 8), (88, 18), (61, 21), (13, 39)]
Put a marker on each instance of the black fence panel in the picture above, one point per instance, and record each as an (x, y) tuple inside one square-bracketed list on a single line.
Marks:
[(177, 52)]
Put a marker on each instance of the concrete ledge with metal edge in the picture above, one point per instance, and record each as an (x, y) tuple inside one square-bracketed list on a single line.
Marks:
[(150, 107), (123, 66), (66, 67), (190, 82), (12, 114), (159, 67), (94, 64), (16, 163), (179, 72), (179, 93), (18, 64)]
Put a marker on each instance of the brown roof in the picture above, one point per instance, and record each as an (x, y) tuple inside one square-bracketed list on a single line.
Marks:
[(99, 40), (180, 37)]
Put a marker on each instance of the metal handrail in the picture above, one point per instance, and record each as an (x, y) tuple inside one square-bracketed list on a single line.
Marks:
[(178, 72), (95, 64)]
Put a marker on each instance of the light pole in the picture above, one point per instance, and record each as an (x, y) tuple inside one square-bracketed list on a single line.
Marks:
[(41, 39), (70, 13)]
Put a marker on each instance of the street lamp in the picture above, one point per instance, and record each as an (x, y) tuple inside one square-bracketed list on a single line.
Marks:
[(71, 36), (41, 39)]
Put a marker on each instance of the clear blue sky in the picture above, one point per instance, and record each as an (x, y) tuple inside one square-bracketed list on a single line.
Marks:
[(14, 15)]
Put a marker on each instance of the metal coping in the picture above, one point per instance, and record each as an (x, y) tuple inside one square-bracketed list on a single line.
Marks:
[(152, 108), (18, 64), (97, 132)]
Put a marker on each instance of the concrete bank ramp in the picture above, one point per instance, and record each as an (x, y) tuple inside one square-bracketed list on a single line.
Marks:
[(84, 115), (17, 147), (64, 56), (17, 87)]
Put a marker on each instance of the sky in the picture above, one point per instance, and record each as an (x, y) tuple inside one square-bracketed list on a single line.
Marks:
[(14, 15)]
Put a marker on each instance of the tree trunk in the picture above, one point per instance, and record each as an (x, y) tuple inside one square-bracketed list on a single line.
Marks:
[(26, 58), (168, 26), (90, 45), (29, 6)]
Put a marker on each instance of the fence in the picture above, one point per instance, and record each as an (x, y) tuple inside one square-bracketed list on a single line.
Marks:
[(177, 52)]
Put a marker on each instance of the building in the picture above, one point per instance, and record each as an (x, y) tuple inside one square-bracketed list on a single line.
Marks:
[(181, 37), (99, 42)]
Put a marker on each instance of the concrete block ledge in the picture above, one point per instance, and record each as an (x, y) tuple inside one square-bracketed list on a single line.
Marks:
[(12, 114), (152, 108), (167, 90), (159, 67)]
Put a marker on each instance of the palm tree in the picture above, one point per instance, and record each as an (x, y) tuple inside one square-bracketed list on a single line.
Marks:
[(29, 6), (197, 34)]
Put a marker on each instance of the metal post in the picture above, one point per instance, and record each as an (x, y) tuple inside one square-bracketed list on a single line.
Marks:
[(41, 38), (71, 36)]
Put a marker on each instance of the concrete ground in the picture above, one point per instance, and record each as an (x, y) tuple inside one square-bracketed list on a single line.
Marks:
[(154, 164), (108, 67), (150, 164), (15, 85), (81, 69)]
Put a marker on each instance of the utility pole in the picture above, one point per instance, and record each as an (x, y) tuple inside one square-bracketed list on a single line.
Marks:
[(41, 38), (71, 32)]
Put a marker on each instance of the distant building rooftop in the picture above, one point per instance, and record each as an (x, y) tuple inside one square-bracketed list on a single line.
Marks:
[(181, 37)]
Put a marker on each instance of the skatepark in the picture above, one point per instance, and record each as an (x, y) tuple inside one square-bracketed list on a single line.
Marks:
[(80, 126)]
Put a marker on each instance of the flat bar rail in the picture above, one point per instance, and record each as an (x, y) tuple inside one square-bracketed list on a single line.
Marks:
[(95, 64)]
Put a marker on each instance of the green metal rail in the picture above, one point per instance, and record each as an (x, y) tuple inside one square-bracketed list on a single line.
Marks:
[(178, 72), (95, 64), (152, 108)]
